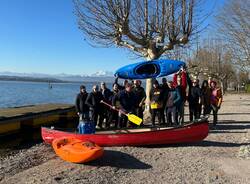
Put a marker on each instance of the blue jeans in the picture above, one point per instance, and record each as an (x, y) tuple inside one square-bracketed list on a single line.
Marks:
[(171, 114), (215, 113)]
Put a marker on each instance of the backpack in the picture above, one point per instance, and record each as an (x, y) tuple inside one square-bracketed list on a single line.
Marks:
[(86, 127)]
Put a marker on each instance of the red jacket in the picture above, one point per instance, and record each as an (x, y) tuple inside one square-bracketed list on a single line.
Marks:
[(183, 75)]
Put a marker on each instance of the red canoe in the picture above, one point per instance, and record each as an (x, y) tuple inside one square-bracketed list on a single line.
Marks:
[(192, 132)]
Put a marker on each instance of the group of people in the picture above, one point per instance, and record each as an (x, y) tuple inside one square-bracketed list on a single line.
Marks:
[(167, 101), (123, 99)]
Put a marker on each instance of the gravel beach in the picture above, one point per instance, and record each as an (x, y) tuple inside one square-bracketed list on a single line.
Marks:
[(223, 157)]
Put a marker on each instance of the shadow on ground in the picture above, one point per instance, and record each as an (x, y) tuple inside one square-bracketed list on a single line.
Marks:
[(120, 160), (205, 143), (230, 125), (233, 114)]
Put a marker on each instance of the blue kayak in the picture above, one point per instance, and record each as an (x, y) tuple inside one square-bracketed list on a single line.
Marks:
[(149, 69)]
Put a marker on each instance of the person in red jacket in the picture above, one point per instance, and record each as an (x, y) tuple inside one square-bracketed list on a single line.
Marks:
[(216, 100), (182, 73)]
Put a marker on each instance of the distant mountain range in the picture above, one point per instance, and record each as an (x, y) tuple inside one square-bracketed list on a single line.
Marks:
[(95, 77), (99, 76)]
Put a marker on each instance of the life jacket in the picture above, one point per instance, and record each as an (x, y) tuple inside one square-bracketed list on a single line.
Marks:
[(156, 99), (156, 105)]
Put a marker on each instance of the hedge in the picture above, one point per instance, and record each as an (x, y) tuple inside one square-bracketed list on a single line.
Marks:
[(247, 87)]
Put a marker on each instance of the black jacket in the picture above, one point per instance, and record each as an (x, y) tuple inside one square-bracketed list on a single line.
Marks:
[(93, 100), (120, 87), (127, 101), (80, 103), (156, 95), (195, 94), (140, 94), (106, 95), (165, 90), (113, 98)]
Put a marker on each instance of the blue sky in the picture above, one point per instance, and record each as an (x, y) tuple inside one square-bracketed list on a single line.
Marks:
[(41, 36)]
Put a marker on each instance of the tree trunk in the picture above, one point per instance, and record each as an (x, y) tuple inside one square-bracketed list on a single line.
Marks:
[(222, 86), (149, 84), (147, 114)]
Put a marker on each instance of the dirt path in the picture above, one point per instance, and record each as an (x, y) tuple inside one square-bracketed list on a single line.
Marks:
[(223, 157)]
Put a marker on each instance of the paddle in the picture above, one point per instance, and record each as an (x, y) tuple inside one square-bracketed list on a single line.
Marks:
[(131, 117)]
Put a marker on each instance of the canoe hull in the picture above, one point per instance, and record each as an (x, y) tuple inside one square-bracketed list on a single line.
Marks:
[(150, 69), (189, 133)]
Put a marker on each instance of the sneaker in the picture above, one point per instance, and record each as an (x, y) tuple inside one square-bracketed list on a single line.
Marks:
[(98, 127)]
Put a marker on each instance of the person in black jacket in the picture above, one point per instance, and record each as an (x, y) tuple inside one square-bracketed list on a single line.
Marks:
[(121, 87), (165, 90), (81, 108), (96, 108), (127, 104), (195, 101), (156, 101), (106, 93), (140, 96), (116, 105)]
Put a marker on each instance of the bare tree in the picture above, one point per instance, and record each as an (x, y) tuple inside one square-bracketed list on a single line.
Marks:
[(234, 26), (214, 60), (148, 28), (243, 78)]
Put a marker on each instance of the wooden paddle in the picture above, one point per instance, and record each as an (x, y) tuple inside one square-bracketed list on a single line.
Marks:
[(131, 117)]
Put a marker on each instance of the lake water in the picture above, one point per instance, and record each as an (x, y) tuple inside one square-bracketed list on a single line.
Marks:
[(13, 93)]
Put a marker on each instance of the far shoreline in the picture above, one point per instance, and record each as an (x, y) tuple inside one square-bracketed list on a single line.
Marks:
[(45, 81)]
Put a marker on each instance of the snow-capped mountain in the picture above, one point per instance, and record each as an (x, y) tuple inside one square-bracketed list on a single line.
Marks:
[(102, 73), (98, 76)]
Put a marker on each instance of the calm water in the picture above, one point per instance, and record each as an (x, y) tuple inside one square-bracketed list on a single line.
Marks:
[(14, 93)]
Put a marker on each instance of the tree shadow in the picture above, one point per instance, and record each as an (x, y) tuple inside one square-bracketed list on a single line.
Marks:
[(204, 143), (207, 143), (119, 160), (233, 114), (236, 125), (233, 122), (220, 132)]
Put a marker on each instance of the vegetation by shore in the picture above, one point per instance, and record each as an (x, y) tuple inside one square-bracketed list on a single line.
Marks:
[(29, 79)]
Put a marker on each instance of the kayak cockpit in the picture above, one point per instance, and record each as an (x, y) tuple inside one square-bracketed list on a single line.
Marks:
[(147, 69)]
